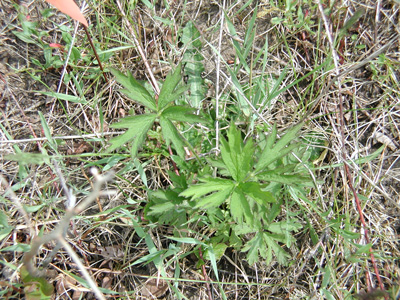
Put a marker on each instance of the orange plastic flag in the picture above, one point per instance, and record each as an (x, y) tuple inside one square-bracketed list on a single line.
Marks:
[(69, 8)]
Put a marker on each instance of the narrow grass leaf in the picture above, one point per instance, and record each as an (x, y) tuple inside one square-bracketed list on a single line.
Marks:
[(142, 234), (350, 22), (60, 96), (191, 241), (47, 132), (236, 45), (141, 171), (240, 94)]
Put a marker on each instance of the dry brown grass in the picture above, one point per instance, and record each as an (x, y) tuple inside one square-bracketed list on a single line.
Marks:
[(106, 239)]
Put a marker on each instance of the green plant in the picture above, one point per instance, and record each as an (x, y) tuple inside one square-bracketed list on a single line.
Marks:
[(162, 110), (193, 64), (245, 196), (293, 16)]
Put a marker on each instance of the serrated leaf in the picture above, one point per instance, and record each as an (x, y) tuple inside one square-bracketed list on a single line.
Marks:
[(254, 190), (134, 90), (183, 114), (240, 207), (207, 186), (172, 135), (254, 246), (284, 226), (274, 211), (271, 138), (168, 93), (227, 159), (191, 36), (280, 254), (137, 130), (215, 199), (210, 193), (236, 155), (282, 147), (275, 176)]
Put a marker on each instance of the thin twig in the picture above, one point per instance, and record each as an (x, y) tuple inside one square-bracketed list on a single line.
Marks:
[(205, 275), (68, 137), (18, 204), (81, 267), (217, 95), (62, 227), (95, 52)]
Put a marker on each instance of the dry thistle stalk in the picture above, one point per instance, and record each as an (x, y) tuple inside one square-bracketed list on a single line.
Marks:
[(59, 233)]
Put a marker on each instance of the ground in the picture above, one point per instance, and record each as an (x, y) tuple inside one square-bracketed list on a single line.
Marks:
[(337, 74)]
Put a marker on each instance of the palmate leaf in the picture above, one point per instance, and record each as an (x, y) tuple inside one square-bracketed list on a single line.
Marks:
[(183, 114), (240, 207), (138, 126), (168, 91), (236, 155), (282, 147), (166, 207), (134, 90), (137, 130), (289, 179), (171, 134), (254, 246), (217, 189), (281, 255), (254, 190)]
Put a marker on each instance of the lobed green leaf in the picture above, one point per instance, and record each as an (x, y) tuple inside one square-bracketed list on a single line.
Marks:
[(289, 179), (168, 93), (254, 246), (236, 155), (282, 147), (137, 130), (207, 186), (240, 207), (134, 90), (254, 190), (172, 135), (183, 114)]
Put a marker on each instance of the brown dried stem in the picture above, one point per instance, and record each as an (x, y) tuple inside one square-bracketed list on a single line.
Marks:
[(60, 231)]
